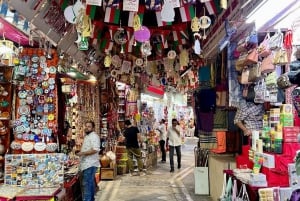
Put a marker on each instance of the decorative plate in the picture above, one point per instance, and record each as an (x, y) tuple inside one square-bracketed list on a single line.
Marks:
[(52, 70), (23, 118), (35, 58), (23, 101), (24, 110), (15, 145), (43, 65), (39, 146), (43, 59), (25, 137), (51, 117), (27, 146), (139, 62), (205, 22), (30, 93), (20, 129), (22, 94), (35, 65), (51, 80), (51, 147), (38, 91)]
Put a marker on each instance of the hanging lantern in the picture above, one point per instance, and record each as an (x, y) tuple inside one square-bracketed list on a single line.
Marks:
[(142, 35), (120, 37), (107, 61)]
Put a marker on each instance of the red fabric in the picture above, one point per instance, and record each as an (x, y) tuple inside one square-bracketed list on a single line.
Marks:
[(276, 177), (243, 162), (290, 149), (245, 150)]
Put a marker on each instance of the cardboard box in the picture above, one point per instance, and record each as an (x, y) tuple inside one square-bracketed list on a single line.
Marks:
[(269, 160)]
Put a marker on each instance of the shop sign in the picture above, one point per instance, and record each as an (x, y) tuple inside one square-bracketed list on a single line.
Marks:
[(131, 5)]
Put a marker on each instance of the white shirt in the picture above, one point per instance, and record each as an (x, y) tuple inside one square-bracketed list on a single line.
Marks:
[(174, 138), (163, 132), (91, 140)]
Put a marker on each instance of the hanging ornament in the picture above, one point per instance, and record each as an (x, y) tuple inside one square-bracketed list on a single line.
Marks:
[(120, 36), (205, 22), (171, 54), (142, 35), (184, 58), (197, 47), (107, 61), (136, 22), (146, 48), (195, 25)]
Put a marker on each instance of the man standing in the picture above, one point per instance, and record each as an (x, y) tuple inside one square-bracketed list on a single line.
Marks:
[(132, 138), (162, 139), (174, 136), (89, 161)]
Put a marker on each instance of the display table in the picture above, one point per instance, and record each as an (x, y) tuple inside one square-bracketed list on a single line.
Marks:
[(8, 192), (217, 163), (38, 194)]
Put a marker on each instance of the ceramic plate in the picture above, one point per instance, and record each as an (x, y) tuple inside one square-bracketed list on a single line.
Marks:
[(43, 59), (52, 70), (40, 146), (27, 146), (35, 58), (24, 110), (22, 94)]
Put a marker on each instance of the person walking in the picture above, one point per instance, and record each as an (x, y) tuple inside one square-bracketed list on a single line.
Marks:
[(89, 161), (162, 139), (174, 136), (132, 138)]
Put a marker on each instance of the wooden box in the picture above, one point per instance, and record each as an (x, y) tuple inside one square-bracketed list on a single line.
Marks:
[(108, 173)]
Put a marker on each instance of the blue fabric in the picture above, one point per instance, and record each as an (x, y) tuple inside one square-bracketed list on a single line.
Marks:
[(88, 184), (207, 100), (204, 74)]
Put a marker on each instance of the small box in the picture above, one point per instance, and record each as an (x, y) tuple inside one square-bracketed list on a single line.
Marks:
[(258, 177), (286, 109), (269, 160), (290, 134)]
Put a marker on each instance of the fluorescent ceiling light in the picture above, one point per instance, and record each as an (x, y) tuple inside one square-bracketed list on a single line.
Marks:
[(267, 10), (292, 15)]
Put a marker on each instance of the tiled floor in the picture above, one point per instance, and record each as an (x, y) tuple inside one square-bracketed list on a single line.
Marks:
[(158, 185)]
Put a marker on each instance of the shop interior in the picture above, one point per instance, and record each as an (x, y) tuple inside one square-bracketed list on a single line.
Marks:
[(65, 62)]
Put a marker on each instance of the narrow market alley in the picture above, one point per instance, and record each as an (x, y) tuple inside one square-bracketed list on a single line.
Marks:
[(158, 184)]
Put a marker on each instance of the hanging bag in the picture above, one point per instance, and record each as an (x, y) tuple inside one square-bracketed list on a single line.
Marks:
[(227, 189), (252, 57), (267, 65), (245, 76), (275, 42), (243, 195), (264, 49), (254, 73), (280, 57)]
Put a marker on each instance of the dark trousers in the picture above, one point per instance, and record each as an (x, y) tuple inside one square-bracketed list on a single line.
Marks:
[(163, 150), (171, 155)]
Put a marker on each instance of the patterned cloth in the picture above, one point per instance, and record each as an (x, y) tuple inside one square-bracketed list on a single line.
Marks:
[(251, 115)]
